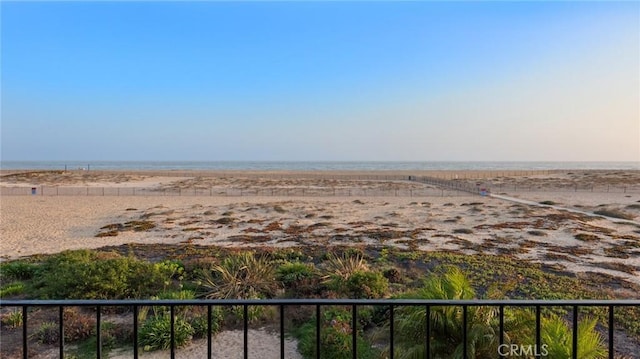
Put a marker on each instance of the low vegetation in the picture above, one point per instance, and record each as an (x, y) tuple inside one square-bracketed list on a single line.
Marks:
[(188, 272)]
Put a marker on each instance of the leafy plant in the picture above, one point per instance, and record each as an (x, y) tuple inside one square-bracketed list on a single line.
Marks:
[(12, 289), (363, 285), (446, 321), (92, 275), (291, 273), (243, 276), (298, 279), (155, 333), (200, 326), (335, 337), (557, 335), (19, 270), (13, 319), (342, 267), (77, 325), (47, 333)]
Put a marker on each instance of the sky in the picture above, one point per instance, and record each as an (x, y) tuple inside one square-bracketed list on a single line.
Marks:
[(320, 81)]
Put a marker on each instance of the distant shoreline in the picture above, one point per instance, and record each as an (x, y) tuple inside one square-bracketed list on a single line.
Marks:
[(315, 166)]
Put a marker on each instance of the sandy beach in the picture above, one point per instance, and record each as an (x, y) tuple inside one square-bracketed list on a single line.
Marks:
[(463, 222), (576, 242)]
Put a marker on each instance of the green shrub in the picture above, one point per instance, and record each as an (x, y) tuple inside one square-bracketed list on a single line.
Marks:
[(177, 295), (290, 274), (78, 326), (113, 335), (243, 276), (447, 321), (342, 267), (255, 313), (335, 337), (364, 285), (19, 270), (47, 333), (298, 279), (12, 319), (12, 289), (199, 322), (92, 275), (155, 333), (557, 334)]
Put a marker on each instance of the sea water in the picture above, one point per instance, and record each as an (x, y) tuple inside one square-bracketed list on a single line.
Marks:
[(312, 165)]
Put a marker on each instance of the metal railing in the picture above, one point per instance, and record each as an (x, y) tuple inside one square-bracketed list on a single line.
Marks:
[(538, 305)]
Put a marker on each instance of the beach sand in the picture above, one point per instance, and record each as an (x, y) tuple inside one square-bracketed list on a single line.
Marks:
[(464, 223)]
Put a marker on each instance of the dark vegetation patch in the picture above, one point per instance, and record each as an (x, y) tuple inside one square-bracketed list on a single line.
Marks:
[(512, 225), (586, 237), (558, 257), (597, 229), (463, 231), (614, 213), (163, 213), (620, 267), (616, 252), (224, 220), (565, 216), (112, 230)]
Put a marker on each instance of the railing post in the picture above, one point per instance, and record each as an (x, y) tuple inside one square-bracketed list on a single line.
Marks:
[(354, 332), (318, 331), (464, 331), (173, 331), (209, 332), (391, 330), (246, 328), (428, 334), (135, 332), (537, 328), (501, 313), (61, 330), (25, 349), (611, 351), (98, 331), (281, 331), (574, 351)]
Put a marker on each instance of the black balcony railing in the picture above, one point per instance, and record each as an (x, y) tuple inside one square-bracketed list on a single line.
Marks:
[(575, 305)]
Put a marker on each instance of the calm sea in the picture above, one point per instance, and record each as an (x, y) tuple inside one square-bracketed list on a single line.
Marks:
[(312, 165)]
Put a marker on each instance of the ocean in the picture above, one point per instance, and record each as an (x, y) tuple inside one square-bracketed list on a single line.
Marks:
[(312, 165)]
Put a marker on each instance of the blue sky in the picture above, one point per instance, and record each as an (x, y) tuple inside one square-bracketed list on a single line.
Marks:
[(413, 81)]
